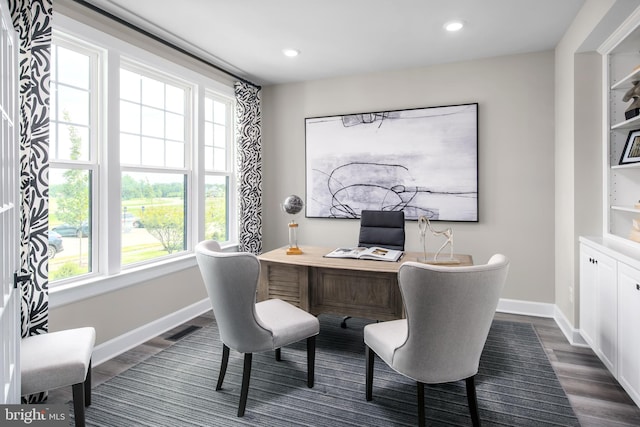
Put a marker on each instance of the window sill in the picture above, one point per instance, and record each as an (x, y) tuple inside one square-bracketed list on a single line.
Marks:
[(94, 286), (82, 289)]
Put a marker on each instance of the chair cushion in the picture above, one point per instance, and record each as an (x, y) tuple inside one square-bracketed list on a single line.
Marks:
[(287, 323), (385, 337), (56, 359)]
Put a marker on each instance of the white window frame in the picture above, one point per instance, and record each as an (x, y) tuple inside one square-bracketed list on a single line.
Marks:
[(190, 142), (110, 275), (231, 163), (96, 55)]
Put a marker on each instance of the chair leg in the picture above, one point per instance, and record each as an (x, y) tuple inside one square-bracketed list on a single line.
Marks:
[(87, 387), (369, 374), (472, 401), (420, 404), (343, 324), (278, 355), (311, 360), (78, 403), (223, 366), (246, 375)]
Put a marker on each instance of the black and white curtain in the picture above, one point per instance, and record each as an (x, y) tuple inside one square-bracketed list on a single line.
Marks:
[(249, 143), (32, 21)]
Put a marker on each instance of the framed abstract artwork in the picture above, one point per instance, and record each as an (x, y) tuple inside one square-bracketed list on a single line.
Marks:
[(423, 161)]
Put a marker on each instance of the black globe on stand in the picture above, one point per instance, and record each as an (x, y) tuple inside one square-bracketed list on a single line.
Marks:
[(293, 205)]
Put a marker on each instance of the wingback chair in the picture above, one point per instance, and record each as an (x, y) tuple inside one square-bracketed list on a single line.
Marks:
[(231, 280), (449, 311)]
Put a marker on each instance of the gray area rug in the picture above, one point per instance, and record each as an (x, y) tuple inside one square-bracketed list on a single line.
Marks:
[(516, 386)]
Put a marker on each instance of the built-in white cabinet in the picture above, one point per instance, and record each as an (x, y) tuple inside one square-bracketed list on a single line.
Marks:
[(621, 68), (610, 264), (629, 330), (598, 304), (610, 307)]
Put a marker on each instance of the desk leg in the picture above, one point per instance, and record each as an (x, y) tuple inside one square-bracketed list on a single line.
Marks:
[(263, 282)]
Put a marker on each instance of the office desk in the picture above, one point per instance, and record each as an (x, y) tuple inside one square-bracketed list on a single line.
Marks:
[(348, 287)]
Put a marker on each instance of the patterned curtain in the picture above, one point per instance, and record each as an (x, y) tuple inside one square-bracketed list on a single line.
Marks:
[(32, 21), (249, 143)]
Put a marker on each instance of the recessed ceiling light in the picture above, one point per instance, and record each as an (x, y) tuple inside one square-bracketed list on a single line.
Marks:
[(454, 25), (291, 53)]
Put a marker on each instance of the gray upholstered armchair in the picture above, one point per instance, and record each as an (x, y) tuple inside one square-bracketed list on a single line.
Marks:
[(248, 327), (449, 312)]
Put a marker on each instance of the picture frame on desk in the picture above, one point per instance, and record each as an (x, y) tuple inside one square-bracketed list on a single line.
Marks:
[(631, 152)]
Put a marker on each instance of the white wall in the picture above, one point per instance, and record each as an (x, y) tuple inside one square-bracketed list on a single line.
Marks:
[(516, 157), (578, 136), (117, 313), (588, 107)]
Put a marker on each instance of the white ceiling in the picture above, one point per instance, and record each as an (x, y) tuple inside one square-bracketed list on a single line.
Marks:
[(343, 37)]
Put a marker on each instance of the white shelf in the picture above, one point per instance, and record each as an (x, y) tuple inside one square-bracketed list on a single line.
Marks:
[(625, 209), (633, 123), (627, 166), (626, 82)]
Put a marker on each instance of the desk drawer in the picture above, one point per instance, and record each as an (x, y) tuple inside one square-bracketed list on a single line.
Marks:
[(372, 295)]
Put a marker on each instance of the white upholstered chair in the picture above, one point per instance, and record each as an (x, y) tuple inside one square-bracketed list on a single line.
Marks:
[(59, 359), (245, 326), (449, 311)]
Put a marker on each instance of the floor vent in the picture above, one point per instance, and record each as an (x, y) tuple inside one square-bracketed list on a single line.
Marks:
[(183, 333)]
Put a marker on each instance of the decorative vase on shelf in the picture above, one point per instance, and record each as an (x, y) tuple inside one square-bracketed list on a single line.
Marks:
[(632, 95), (293, 205)]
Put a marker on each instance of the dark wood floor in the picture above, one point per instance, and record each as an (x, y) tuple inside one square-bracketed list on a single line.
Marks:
[(597, 398)]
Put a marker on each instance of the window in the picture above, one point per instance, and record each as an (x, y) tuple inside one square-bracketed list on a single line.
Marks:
[(136, 187), (154, 118), (72, 134), (218, 165)]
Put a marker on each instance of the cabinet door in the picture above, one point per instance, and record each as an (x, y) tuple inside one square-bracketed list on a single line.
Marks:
[(588, 296), (598, 304), (629, 330), (607, 303)]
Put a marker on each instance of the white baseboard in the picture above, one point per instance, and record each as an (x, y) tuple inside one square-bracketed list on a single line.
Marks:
[(538, 309), (112, 348), (526, 308), (572, 334)]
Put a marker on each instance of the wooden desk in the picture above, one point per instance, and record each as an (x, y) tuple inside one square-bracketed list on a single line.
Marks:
[(348, 287)]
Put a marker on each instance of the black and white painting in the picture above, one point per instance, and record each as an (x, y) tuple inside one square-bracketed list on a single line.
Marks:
[(423, 161)]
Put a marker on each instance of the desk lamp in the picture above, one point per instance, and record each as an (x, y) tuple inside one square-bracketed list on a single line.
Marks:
[(293, 205)]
